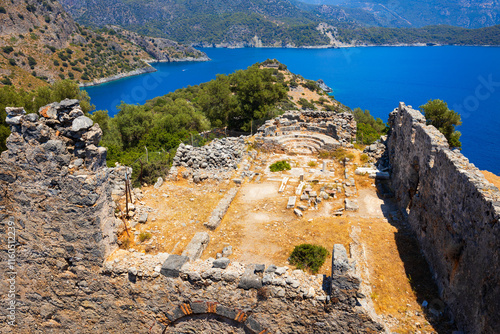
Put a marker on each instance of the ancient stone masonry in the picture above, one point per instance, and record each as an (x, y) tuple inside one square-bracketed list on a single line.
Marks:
[(307, 131), (71, 278), (216, 160), (455, 214)]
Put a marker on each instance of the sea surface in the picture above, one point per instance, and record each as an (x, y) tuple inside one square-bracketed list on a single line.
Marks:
[(372, 78)]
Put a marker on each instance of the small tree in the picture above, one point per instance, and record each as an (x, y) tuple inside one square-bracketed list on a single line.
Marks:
[(280, 166), (307, 256), (439, 115)]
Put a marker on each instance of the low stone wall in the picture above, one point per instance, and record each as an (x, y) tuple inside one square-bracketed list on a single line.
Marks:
[(455, 214), (221, 209)]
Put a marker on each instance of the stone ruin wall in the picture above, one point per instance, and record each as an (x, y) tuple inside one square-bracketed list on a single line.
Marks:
[(55, 191), (339, 126), (455, 214)]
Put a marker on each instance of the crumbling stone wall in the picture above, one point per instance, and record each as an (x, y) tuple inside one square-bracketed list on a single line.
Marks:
[(216, 160), (455, 213), (55, 193)]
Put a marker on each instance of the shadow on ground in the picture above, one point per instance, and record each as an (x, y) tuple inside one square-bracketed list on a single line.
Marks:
[(416, 267)]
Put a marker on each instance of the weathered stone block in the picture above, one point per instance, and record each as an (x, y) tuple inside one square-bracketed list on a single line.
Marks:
[(197, 245), (250, 281), (172, 265), (221, 263)]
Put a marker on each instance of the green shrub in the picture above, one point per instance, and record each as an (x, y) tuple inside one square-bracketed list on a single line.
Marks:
[(364, 158), (307, 256), (31, 62), (306, 104), (312, 163), (7, 49), (280, 166), (2, 10), (12, 62), (144, 236), (6, 81)]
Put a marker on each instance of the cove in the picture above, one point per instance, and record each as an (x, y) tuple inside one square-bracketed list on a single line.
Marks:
[(373, 78)]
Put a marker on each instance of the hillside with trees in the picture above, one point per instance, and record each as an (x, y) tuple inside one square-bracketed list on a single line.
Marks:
[(279, 23), (42, 44), (420, 13)]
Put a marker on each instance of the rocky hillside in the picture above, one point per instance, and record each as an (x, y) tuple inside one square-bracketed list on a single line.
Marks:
[(417, 13), (40, 43), (291, 23), (161, 49), (274, 22)]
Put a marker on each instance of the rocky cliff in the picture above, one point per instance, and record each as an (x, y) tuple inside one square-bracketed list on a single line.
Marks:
[(455, 214), (64, 274)]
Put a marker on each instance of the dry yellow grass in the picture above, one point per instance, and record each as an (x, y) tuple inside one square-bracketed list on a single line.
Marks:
[(495, 179)]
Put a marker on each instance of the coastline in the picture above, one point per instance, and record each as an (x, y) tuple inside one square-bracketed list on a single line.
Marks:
[(177, 60), (139, 71), (341, 46)]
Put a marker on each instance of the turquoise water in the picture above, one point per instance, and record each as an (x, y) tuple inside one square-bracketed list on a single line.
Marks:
[(375, 78)]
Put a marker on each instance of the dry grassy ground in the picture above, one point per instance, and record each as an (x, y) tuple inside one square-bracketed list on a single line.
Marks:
[(261, 230), (495, 179)]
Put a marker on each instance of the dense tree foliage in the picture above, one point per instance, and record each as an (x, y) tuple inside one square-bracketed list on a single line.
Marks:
[(439, 115), (32, 101), (430, 35), (161, 124), (369, 129)]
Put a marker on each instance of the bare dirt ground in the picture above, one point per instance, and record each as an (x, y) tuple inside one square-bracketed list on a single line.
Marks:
[(261, 229)]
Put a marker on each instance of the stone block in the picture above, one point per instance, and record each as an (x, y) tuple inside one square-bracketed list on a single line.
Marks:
[(199, 307), (197, 245), (271, 268), (222, 263), (259, 268), (281, 270), (172, 265), (340, 261), (298, 213), (227, 251), (143, 218), (250, 281), (81, 123), (291, 202), (159, 183), (227, 312), (351, 205)]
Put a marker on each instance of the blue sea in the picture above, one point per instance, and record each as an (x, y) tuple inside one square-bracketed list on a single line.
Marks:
[(372, 78)]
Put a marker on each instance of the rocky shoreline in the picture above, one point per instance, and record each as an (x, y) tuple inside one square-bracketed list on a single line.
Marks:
[(144, 70), (147, 69)]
